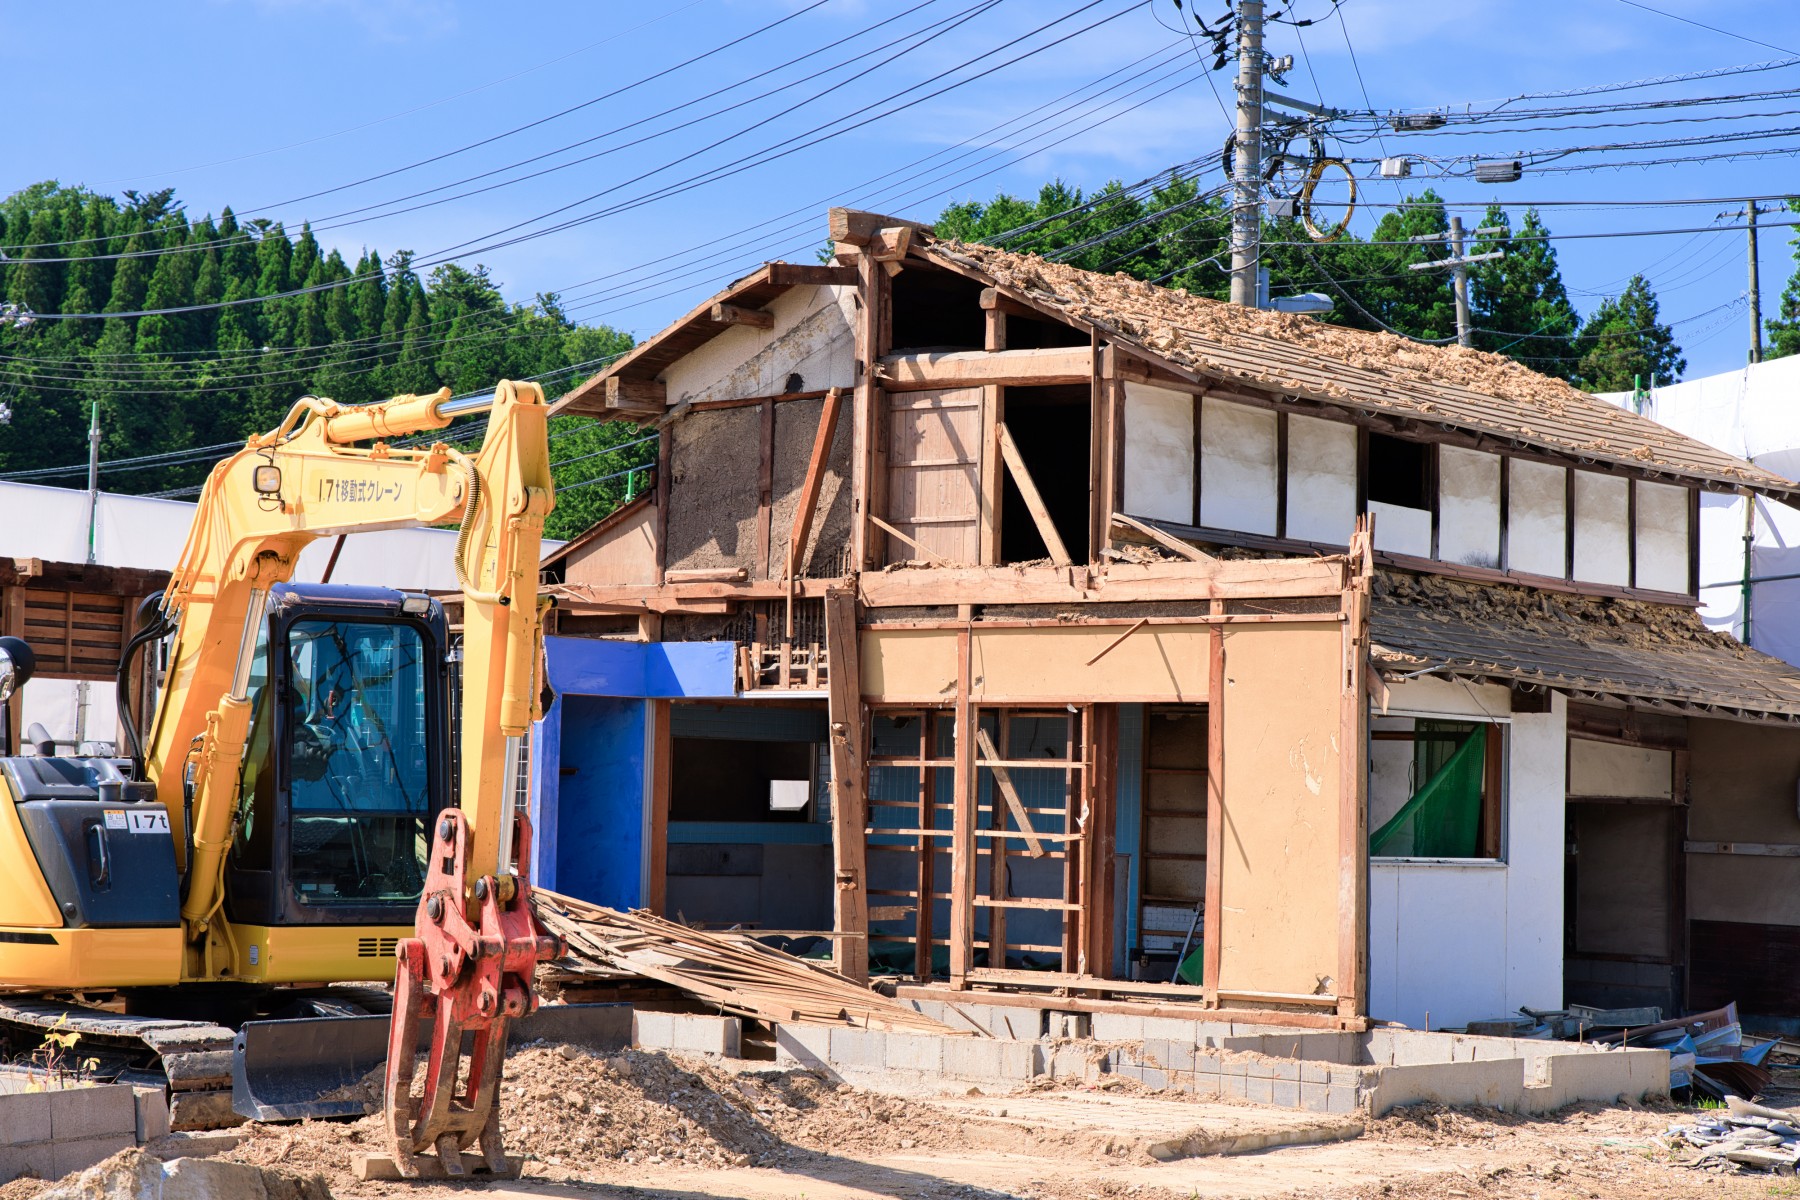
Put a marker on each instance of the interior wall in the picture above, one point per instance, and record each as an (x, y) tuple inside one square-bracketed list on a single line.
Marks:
[(626, 554), (1237, 467), (827, 546), (1743, 788), (1662, 536), (1159, 453), (1602, 528), (813, 338), (1401, 529), (1321, 480), (1466, 940), (1537, 501), (715, 489), (1468, 507), (1279, 897)]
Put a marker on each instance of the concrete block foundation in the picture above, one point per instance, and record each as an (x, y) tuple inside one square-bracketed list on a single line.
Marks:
[(51, 1133)]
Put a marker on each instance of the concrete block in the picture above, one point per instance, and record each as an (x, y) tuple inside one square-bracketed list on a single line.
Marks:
[(1312, 1071), (1342, 1098), (806, 1046), (1117, 1027), (1259, 1089), (972, 1058), (1235, 1064), (1008, 1022), (934, 1009), (88, 1112), (1154, 1078), (859, 1048), (1237, 1087), (1173, 1029), (1285, 1069), (16, 1160), (1157, 1052), (1181, 1057), (1600, 1075), (152, 1113), (78, 1154), (1286, 1093), (1060, 1025), (212, 1179), (1492, 1083), (1315, 1097), (1208, 1083), (1347, 1075), (915, 1052), (24, 1118), (1021, 1061), (1206, 1063), (688, 1033), (1071, 1062)]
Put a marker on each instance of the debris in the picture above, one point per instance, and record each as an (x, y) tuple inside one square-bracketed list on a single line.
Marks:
[(731, 970), (135, 1175)]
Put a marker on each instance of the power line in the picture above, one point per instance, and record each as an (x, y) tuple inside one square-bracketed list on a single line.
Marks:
[(1714, 28)]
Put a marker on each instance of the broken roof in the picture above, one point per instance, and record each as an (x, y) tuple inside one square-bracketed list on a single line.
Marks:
[(1449, 387), (1651, 655)]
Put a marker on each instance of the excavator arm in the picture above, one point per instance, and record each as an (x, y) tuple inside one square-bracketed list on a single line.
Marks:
[(329, 470)]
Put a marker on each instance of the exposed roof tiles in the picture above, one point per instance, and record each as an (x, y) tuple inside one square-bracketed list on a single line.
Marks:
[(1651, 655), (1470, 391)]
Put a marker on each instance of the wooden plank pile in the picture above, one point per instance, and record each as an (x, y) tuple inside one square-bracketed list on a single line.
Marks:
[(733, 971)]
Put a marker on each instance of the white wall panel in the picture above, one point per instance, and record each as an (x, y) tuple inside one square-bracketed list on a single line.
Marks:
[(1460, 941), (1468, 507), (1159, 453), (1536, 518), (1602, 528), (1321, 480), (1237, 467), (1401, 530), (1662, 537)]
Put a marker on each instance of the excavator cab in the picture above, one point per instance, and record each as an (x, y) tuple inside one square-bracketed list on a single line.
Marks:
[(347, 763)]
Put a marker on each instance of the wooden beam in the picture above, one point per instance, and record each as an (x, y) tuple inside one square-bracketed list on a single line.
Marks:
[(913, 542), (641, 397), (890, 246), (656, 885), (1003, 781), (858, 228), (815, 479), (1173, 544), (1116, 642), (737, 314), (984, 368), (707, 575), (849, 806), (1015, 462), (765, 507), (993, 301), (811, 275)]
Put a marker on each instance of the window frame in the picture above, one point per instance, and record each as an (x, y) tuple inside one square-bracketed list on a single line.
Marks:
[(1496, 787)]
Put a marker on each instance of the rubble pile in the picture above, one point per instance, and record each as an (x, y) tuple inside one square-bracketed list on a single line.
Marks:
[(1747, 1135)]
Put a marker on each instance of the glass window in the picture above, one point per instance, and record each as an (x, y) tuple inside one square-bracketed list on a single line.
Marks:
[(358, 761), (1435, 788)]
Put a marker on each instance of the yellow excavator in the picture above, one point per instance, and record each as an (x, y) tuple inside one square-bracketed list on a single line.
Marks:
[(301, 814)]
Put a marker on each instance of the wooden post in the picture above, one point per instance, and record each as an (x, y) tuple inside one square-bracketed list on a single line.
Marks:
[(766, 491), (1101, 753), (1215, 811), (815, 479), (1015, 462), (924, 917), (849, 807), (869, 482), (1353, 846), (962, 828), (662, 754), (990, 473)]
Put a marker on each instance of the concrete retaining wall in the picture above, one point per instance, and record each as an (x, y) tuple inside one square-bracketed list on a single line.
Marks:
[(52, 1133), (1318, 1071)]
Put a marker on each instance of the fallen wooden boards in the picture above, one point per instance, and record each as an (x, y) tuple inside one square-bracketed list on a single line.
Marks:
[(731, 970)]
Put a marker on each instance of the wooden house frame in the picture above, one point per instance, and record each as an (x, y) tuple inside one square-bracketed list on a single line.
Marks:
[(945, 494)]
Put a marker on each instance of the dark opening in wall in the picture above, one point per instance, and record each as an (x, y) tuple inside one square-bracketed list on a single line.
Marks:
[(936, 310), (1024, 333), (720, 779), (1400, 472), (1052, 427)]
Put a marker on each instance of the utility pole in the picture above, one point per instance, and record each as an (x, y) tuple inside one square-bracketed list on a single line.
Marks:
[(1458, 262), (93, 478), (1755, 288), (1246, 209)]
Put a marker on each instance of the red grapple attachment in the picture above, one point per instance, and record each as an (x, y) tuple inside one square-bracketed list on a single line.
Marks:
[(468, 971)]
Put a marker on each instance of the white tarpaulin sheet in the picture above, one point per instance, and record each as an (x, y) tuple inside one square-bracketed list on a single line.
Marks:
[(1753, 413), (136, 531)]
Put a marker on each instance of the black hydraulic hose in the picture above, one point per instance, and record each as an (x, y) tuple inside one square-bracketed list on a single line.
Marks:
[(152, 624)]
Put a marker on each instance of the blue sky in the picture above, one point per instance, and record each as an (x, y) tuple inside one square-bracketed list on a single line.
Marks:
[(287, 108)]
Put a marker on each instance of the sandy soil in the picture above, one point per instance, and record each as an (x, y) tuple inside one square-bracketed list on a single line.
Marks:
[(636, 1125)]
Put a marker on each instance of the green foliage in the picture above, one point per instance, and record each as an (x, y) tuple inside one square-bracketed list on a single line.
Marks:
[(178, 380), (1519, 305), (1784, 327), (1623, 342)]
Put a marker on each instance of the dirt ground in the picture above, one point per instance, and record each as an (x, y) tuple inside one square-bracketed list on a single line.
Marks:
[(639, 1126)]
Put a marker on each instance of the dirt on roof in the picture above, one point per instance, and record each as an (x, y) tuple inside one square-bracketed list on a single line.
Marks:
[(1294, 354)]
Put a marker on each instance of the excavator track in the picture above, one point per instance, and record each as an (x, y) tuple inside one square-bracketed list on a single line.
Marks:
[(192, 1059)]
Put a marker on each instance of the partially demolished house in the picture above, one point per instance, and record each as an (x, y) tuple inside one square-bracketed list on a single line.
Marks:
[(1004, 625)]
